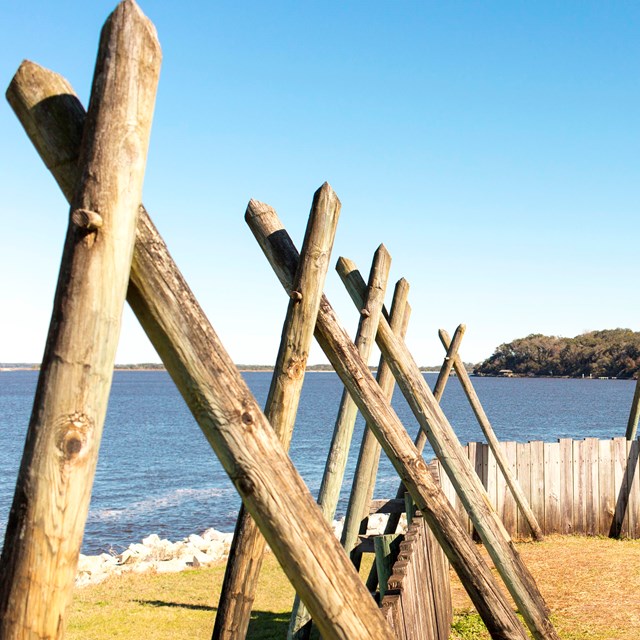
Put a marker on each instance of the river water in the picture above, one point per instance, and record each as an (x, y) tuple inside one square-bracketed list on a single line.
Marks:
[(157, 473)]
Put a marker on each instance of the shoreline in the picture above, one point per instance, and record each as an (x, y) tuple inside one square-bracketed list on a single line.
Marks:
[(153, 554)]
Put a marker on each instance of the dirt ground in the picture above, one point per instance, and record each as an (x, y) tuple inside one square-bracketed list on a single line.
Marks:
[(591, 585)]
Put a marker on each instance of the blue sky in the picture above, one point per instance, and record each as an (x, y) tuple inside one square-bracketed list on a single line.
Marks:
[(492, 147)]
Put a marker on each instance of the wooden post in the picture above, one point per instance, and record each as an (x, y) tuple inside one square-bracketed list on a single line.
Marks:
[(47, 519), (247, 548), (335, 342), (487, 429), (634, 414), (214, 390), (365, 474), (329, 494), (386, 550), (432, 420)]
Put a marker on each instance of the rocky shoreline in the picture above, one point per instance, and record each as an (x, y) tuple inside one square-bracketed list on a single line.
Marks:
[(158, 555)]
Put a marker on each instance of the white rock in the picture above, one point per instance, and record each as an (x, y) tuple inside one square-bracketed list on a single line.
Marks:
[(151, 541), (171, 566)]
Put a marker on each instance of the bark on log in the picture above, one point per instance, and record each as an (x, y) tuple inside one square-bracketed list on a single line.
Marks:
[(247, 548), (214, 390), (47, 519), (489, 434), (329, 493), (335, 342)]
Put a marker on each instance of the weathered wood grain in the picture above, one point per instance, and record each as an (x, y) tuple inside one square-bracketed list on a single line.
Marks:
[(247, 548), (566, 486), (46, 523), (552, 486), (215, 392)]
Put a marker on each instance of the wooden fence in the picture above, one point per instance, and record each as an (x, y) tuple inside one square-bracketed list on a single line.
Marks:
[(417, 603), (588, 486)]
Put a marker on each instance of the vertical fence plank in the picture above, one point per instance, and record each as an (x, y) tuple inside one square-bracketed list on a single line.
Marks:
[(566, 485), (537, 480), (552, 487), (592, 495), (509, 511), (491, 472), (579, 482), (605, 486), (523, 466)]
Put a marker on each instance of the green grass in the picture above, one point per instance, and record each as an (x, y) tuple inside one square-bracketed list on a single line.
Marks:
[(591, 585)]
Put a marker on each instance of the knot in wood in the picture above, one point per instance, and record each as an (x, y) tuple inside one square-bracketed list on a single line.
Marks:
[(365, 312), (246, 418), (296, 296), (295, 370), (73, 436), (85, 219)]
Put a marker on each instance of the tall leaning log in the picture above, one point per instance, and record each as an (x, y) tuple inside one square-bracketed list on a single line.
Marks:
[(492, 440), (247, 548), (49, 511), (355, 375), (213, 388), (469, 488)]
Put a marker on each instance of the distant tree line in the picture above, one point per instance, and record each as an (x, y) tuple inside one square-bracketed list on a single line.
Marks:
[(612, 353)]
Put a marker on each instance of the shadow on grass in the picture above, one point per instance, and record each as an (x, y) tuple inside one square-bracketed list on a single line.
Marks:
[(264, 625)]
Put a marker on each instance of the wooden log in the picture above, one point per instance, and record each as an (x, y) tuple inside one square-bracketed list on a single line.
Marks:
[(215, 392), (355, 374), (247, 548), (48, 515), (438, 391), (634, 413), (364, 478), (442, 438), (336, 464), (492, 440), (386, 548)]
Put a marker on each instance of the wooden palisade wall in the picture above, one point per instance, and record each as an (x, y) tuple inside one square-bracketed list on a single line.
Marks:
[(588, 487), (417, 603)]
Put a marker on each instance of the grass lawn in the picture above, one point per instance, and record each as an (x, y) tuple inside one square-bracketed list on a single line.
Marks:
[(590, 584)]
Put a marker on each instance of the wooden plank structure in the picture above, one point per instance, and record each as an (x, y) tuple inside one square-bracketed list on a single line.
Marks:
[(585, 486), (417, 599)]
